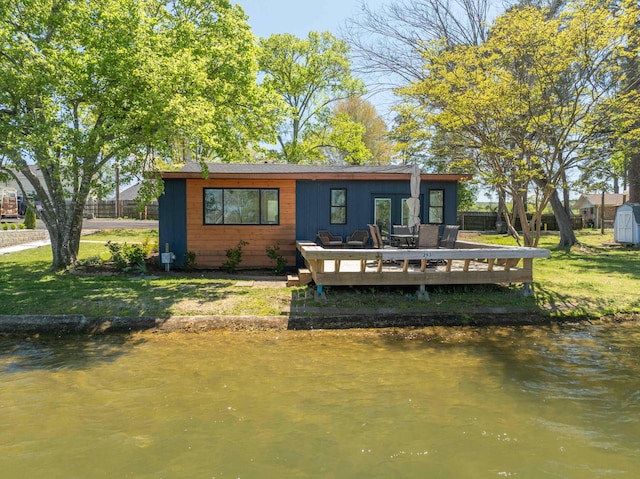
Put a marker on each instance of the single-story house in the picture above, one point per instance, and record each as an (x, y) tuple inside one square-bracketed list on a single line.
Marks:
[(590, 206), (274, 205)]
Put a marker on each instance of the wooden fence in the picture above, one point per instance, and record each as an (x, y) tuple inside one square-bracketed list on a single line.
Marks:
[(482, 221), (127, 209)]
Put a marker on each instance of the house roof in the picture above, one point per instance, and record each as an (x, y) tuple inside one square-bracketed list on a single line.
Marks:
[(280, 170), (591, 200), (635, 209), (130, 193)]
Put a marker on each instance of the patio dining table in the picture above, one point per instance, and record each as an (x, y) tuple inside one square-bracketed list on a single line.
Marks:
[(405, 240)]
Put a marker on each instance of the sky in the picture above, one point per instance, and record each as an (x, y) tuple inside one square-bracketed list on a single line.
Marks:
[(299, 17)]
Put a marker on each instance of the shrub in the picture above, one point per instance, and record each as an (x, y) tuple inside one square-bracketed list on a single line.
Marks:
[(5, 226), (22, 226), (273, 252), (30, 219), (128, 257), (189, 260), (91, 261), (234, 257), (14, 226)]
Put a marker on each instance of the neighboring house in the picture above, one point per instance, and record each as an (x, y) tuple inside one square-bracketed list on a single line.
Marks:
[(590, 207), (130, 193), (268, 205), (12, 183)]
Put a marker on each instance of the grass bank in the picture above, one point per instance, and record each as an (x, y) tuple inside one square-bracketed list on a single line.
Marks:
[(592, 280)]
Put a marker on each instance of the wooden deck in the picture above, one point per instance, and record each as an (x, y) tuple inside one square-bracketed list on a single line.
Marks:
[(467, 263)]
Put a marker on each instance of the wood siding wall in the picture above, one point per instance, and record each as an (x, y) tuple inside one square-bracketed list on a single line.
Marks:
[(211, 242)]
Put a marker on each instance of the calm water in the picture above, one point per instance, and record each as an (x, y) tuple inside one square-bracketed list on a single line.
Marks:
[(433, 403)]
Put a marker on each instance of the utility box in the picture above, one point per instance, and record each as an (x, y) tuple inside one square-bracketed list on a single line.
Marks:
[(166, 259), (626, 227)]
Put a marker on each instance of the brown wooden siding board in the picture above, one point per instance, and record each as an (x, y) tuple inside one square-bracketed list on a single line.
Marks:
[(210, 242)]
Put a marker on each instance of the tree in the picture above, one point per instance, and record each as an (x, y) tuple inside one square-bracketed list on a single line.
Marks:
[(389, 42), (83, 84), (629, 111), (525, 100), (375, 136), (387, 46), (310, 75)]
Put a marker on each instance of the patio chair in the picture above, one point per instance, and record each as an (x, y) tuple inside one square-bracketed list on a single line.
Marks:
[(358, 239), (449, 236), (428, 236), (328, 240), (376, 237)]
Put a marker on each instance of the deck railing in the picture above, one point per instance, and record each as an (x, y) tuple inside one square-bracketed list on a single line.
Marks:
[(467, 263)]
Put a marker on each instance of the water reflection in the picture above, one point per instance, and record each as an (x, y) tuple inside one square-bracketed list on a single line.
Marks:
[(77, 352), (436, 402)]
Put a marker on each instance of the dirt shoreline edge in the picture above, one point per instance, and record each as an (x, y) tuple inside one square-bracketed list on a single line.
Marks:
[(79, 324)]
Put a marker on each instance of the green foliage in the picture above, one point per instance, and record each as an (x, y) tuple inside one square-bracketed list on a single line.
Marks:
[(30, 219), (86, 84), (234, 257), (516, 107), (375, 136), (5, 226), (128, 257), (190, 260), (91, 261), (309, 75), (273, 252)]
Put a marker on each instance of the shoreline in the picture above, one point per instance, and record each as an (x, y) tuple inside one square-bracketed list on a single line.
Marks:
[(66, 325)]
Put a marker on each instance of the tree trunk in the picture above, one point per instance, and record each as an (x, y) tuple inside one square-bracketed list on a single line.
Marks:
[(561, 214), (65, 229), (502, 216), (565, 193), (65, 243), (634, 178), (567, 235), (602, 213)]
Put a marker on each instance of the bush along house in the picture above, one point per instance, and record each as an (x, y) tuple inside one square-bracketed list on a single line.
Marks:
[(267, 206)]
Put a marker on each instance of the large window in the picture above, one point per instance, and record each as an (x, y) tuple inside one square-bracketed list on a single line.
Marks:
[(436, 206), (338, 206), (240, 206)]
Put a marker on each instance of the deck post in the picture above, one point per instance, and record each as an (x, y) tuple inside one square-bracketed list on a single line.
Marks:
[(527, 290), (423, 294), (320, 295)]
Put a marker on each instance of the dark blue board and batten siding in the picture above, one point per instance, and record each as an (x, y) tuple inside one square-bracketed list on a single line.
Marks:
[(313, 204), (172, 224)]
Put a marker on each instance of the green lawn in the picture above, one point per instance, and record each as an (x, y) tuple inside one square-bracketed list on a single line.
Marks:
[(592, 280)]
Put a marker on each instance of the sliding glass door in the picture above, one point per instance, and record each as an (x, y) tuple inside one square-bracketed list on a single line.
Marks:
[(382, 214)]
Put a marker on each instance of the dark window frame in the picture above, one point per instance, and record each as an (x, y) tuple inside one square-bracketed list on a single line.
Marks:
[(260, 209), (441, 207), (337, 207)]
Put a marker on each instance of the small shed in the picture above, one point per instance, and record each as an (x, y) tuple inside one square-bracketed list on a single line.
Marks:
[(626, 228)]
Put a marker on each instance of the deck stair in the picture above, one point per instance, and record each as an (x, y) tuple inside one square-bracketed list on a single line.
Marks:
[(301, 279)]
